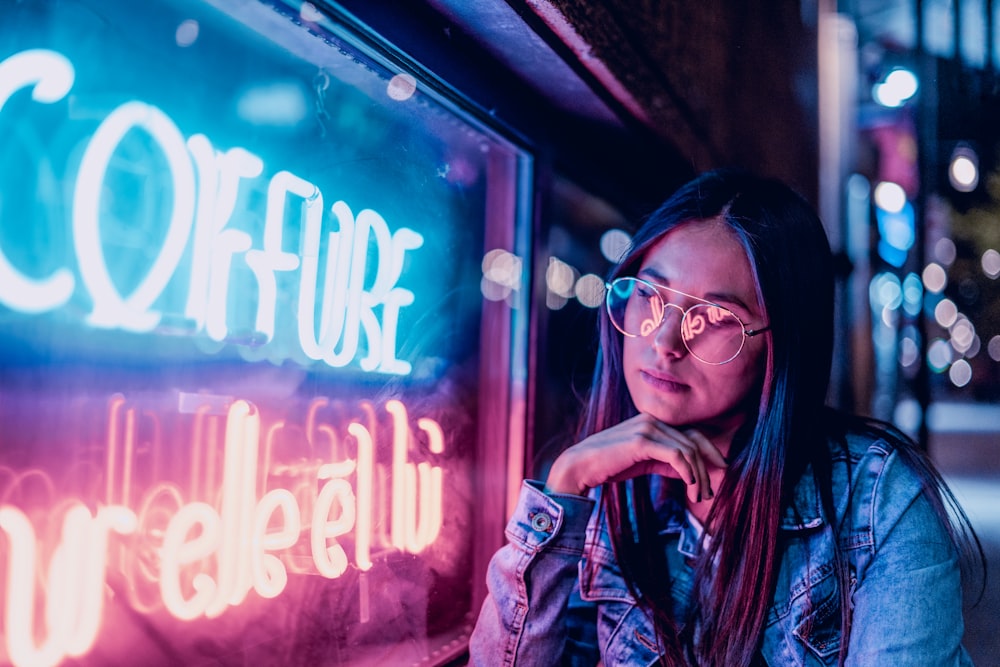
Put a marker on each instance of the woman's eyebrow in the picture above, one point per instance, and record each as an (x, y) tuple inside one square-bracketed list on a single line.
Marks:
[(727, 298), (717, 297), (655, 275)]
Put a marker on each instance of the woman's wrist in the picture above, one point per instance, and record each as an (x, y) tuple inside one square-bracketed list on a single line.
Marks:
[(561, 480)]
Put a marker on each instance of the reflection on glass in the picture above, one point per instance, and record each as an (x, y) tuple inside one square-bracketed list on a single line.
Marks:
[(240, 334)]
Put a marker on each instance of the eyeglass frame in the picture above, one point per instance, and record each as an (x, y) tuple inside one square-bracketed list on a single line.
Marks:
[(747, 333)]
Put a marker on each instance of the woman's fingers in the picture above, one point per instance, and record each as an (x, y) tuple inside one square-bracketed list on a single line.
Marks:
[(637, 446), (666, 451), (708, 449), (691, 471), (685, 460), (699, 454), (710, 456)]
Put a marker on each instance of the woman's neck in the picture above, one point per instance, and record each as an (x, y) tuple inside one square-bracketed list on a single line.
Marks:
[(702, 508), (721, 435)]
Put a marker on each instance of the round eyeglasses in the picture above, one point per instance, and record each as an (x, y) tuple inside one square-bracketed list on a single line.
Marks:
[(713, 334)]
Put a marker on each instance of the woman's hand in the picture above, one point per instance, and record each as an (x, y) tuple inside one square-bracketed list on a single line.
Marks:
[(640, 445)]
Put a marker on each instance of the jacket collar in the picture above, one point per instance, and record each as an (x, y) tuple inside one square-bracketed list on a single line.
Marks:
[(803, 513), (805, 510)]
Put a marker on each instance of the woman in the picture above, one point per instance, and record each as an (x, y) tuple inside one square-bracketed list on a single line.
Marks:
[(714, 511)]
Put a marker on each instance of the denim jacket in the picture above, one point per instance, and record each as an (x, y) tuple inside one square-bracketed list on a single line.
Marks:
[(547, 607)]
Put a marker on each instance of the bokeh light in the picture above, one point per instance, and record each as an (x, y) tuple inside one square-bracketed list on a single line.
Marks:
[(974, 348), (898, 86), (560, 278), (945, 251), (963, 172), (401, 87), (885, 291), (962, 334), (274, 104), (945, 313), (939, 355), (913, 294), (991, 263), (890, 197), (310, 13), (493, 291), (590, 290), (909, 353), (187, 33), (993, 348), (614, 243), (935, 278), (503, 267), (960, 373), (501, 274)]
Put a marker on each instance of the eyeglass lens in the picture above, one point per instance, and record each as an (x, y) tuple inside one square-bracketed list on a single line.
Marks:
[(711, 333)]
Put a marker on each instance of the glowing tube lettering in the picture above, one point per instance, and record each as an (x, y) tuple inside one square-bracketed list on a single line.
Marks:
[(366, 472), (238, 500), (51, 76), (93, 552), (384, 292), (178, 551), (432, 487), (272, 258), (75, 601), (269, 575), (345, 319), (228, 534), (416, 488), (334, 300), (330, 558), (210, 557), (203, 185), (692, 327), (346, 306), (19, 611), (219, 176), (400, 472), (110, 309)]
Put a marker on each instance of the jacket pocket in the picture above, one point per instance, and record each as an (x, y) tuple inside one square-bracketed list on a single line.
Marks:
[(816, 619), (601, 578)]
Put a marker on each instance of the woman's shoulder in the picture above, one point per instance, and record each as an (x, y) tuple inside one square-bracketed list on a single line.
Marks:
[(875, 466), (854, 439)]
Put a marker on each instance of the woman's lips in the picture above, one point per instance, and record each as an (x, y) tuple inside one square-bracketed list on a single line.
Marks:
[(662, 381)]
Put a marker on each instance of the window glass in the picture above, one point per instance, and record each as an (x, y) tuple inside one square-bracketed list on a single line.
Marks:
[(246, 415), (585, 235)]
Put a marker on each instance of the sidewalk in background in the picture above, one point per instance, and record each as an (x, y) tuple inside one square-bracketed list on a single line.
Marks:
[(965, 445)]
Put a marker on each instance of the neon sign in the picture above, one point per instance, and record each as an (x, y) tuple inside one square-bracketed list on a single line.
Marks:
[(265, 512), (358, 322)]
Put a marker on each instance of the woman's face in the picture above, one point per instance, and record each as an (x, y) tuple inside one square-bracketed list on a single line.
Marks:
[(703, 259)]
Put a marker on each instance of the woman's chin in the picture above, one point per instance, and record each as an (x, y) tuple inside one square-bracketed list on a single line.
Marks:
[(675, 416)]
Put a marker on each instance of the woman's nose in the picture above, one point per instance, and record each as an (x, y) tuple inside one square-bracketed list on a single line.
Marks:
[(667, 336)]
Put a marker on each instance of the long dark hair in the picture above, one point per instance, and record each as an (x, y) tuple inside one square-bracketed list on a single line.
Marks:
[(784, 433)]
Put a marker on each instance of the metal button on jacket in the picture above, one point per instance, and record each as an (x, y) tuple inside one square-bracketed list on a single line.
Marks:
[(542, 522)]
